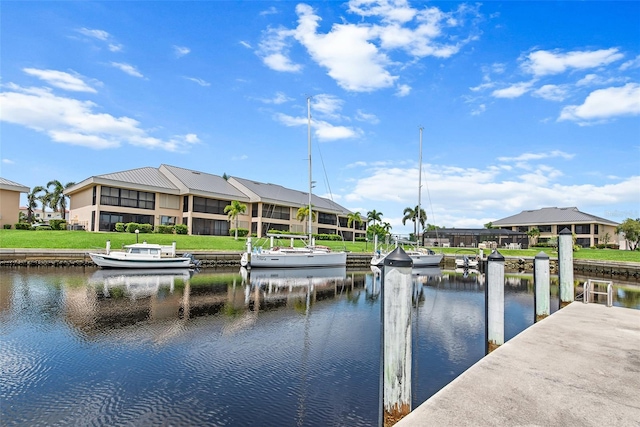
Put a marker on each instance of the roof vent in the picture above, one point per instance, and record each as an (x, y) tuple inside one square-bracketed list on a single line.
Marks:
[(196, 173)]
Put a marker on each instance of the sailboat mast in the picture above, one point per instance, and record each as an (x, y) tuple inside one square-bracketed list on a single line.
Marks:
[(419, 185), (309, 229)]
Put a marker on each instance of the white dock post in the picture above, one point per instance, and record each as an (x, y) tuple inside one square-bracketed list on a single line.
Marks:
[(108, 246), (494, 300), (173, 249), (397, 288), (565, 267), (541, 285)]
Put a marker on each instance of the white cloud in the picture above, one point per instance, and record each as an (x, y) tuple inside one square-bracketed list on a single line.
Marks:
[(180, 51), (492, 189), (129, 69), (630, 64), (199, 81), (542, 62), (96, 34), (357, 56), (366, 117), (60, 79), (102, 36), (326, 105), (604, 104), (76, 122), (8, 161), (277, 99), (481, 108), (551, 92), (270, 11), (537, 156), (403, 90), (322, 130), (514, 91), (245, 44)]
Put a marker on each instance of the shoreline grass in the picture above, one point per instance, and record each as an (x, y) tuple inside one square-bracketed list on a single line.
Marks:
[(84, 240)]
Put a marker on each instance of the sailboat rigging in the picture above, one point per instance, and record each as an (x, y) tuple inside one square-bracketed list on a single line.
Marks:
[(309, 256), (421, 257)]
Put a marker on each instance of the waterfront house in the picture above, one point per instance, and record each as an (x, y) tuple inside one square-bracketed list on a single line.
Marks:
[(10, 201), (590, 230), (171, 195)]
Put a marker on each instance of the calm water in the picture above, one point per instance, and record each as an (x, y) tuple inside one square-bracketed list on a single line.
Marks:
[(89, 347)]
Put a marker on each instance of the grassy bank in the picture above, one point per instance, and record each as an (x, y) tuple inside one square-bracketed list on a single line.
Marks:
[(46, 239)]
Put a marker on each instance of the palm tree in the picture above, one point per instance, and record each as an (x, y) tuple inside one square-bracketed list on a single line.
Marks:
[(57, 200), (533, 234), (303, 214), (233, 210), (355, 219), (32, 199), (412, 215), (374, 217)]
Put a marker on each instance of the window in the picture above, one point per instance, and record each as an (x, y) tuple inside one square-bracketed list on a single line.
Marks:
[(325, 218), (210, 227), (523, 228), (326, 231), (595, 229), (211, 206), (169, 201), (544, 228), (254, 210), (583, 228), (343, 221), (276, 212), (584, 242), (127, 198), (167, 220), (267, 227), (185, 204), (108, 220), (561, 227)]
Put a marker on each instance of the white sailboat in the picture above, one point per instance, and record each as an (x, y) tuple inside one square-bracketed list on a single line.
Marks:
[(421, 257), (311, 255)]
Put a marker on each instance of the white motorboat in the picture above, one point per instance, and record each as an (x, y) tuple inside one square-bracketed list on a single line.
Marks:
[(143, 255), (311, 255), (421, 257), (466, 260)]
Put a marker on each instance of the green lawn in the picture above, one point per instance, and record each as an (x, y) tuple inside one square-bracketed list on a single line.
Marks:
[(46, 239)]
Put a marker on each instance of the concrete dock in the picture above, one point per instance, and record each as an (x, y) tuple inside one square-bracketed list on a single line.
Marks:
[(578, 367)]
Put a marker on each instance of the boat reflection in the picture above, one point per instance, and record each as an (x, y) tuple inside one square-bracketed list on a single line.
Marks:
[(136, 284)]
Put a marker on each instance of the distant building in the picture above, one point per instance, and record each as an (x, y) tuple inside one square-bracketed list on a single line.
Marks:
[(43, 215), (10, 201), (590, 230), (170, 195)]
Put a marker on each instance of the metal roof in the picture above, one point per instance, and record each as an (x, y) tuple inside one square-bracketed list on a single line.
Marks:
[(6, 184), (278, 194), (142, 176), (551, 216), (196, 181)]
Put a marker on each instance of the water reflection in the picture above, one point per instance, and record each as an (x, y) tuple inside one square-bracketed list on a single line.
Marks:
[(269, 348)]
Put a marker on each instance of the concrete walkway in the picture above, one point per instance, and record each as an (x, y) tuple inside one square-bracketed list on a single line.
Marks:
[(578, 367)]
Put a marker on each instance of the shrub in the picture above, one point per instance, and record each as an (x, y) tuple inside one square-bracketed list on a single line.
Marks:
[(181, 229), (164, 229), (242, 232), (58, 224), (23, 226), (7, 226), (120, 227)]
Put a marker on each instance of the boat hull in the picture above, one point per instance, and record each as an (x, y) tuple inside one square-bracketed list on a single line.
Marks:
[(419, 260), (294, 260), (110, 261)]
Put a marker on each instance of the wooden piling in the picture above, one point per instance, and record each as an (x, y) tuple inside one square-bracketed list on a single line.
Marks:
[(494, 301), (541, 283), (397, 288), (565, 267)]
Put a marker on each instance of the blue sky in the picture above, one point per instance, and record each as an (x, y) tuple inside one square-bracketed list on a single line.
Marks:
[(523, 105)]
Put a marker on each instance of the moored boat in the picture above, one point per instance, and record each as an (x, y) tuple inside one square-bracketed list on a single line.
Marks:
[(143, 255)]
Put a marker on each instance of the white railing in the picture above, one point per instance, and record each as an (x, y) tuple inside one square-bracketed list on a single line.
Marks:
[(593, 287)]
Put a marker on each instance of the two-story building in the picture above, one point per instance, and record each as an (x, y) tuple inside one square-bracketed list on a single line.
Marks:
[(171, 195), (589, 230), (10, 201)]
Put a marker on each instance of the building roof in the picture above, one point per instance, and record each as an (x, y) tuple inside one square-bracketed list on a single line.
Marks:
[(570, 215), (176, 180), (273, 193), (472, 232), (201, 182), (6, 184)]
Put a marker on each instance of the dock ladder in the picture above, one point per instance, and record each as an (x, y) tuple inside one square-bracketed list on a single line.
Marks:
[(594, 287)]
